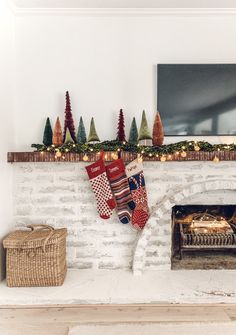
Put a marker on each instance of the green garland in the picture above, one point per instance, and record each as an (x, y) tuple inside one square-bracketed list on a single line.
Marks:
[(128, 147)]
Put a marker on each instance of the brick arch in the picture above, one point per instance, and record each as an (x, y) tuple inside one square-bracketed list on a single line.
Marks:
[(161, 211)]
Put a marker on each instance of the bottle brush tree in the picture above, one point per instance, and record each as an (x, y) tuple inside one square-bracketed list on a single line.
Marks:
[(81, 136), (93, 136), (133, 133), (144, 133), (57, 138), (69, 122), (121, 127), (158, 131), (47, 135), (68, 138)]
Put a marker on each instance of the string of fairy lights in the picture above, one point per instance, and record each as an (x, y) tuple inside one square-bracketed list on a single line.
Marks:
[(164, 152)]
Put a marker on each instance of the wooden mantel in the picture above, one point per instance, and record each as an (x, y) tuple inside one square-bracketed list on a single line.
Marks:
[(16, 157)]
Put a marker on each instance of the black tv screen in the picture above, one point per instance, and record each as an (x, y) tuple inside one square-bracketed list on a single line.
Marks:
[(197, 99)]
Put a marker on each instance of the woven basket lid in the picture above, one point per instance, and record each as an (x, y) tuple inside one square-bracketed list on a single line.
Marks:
[(25, 239)]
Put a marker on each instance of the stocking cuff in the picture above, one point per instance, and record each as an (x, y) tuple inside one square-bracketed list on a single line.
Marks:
[(96, 169), (133, 168), (115, 168)]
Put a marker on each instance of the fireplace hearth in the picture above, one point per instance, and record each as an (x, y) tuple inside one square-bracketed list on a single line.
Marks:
[(204, 237), (58, 194)]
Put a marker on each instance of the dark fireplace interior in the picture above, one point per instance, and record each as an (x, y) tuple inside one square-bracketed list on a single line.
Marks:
[(203, 237)]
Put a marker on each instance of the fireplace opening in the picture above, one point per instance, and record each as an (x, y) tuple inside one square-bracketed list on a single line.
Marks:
[(203, 237)]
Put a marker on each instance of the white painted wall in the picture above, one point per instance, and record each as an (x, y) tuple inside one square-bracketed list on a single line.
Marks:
[(7, 119), (107, 62)]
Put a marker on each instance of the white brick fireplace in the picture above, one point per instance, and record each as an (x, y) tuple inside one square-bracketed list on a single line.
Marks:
[(60, 194)]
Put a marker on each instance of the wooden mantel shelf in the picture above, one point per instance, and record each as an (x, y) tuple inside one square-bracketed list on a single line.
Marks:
[(16, 157)]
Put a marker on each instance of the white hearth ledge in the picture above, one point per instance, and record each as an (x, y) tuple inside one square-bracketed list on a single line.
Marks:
[(124, 7), (122, 287)]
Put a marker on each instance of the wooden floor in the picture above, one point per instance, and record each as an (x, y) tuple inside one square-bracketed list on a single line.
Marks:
[(57, 320)]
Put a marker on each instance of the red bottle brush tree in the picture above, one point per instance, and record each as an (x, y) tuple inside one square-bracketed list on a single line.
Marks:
[(158, 131), (69, 122), (121, 127)]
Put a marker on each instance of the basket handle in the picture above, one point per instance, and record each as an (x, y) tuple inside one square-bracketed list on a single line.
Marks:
[(35, 227), (39, 226)]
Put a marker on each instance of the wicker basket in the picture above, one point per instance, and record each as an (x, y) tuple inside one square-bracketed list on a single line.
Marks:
[(36, 257)]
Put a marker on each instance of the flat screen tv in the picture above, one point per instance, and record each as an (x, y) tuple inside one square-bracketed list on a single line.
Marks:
[(197, 99)]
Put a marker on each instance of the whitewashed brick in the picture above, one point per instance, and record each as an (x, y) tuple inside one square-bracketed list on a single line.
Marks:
[(82, 264), (71, 198), (42, 179), (23, 190), (60, 194), (41, 199), (23, 210), (57, 189), (68, 178), (54, 210)]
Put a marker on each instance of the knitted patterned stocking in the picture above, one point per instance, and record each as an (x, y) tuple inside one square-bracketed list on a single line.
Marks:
[(101, 187), (120, 187), (134, 171)]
